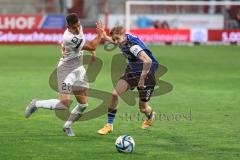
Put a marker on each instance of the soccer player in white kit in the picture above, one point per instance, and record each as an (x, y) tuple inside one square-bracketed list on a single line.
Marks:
[(71, 74)]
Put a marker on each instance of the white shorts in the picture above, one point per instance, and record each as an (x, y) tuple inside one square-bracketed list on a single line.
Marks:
[(71, 76)]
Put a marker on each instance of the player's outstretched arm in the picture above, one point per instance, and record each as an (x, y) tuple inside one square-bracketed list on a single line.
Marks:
[(108, 38), (147, 62), (92, 45), (104, 34)]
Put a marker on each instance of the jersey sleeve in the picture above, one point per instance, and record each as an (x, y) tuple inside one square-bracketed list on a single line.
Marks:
[(135, 50)]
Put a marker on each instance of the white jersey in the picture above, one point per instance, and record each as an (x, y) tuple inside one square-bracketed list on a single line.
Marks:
[(72, 45), (70, 70)]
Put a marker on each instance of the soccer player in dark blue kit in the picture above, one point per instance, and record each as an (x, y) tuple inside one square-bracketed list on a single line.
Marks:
[(139, 73)]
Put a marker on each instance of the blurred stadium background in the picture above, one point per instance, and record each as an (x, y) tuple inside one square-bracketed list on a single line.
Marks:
[(171, 22)]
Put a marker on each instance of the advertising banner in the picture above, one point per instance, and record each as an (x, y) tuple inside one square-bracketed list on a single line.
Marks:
[(54, 36), (199, 35), (162, 35), (227, 36), (28, 22), (38, 36)]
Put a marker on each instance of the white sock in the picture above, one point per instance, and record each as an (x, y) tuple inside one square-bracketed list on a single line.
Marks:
[(53, 104), (79, 108), (76, 113)]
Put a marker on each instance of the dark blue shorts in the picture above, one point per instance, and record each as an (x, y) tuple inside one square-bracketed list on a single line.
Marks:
[(132, 78)]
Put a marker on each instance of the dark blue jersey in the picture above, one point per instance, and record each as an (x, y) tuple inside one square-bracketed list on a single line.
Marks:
[(131, 49)]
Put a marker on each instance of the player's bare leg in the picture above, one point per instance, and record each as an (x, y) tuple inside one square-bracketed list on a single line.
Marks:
[(121, 87), (76, 113), (148, 111), (53, 104)]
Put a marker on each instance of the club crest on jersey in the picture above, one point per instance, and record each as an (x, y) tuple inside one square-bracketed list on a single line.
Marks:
[(77, 41)]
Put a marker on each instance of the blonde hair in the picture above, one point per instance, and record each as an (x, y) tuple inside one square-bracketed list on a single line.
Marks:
[(117, 30)]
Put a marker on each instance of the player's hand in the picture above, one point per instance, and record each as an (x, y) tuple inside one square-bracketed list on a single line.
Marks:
[(100, 29), (141, 83), (93, 57)]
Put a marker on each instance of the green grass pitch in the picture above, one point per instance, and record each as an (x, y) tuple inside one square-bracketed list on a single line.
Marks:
[(206, 82)]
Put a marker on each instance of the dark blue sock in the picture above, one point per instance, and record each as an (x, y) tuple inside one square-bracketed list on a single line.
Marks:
[(111, 115), (149, 116)]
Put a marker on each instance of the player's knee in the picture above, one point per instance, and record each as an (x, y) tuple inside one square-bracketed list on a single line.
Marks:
[(142, 107), (83, 100), (82, 96), (115, 95), (143, 110), (66, 103)]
